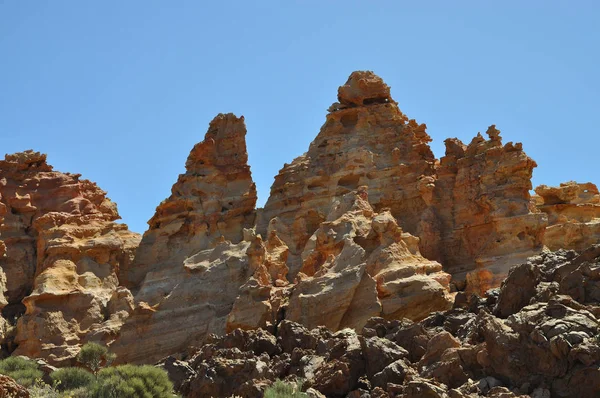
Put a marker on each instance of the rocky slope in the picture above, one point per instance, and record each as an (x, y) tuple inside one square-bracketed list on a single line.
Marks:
[(61, 255), (573, 215), (530, 338)]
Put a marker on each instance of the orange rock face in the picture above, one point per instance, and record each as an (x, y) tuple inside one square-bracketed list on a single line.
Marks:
[(62, 257), (573, 215), (366, 140), (471, 210), (205, 270), (359, 264), (192, 261), (485, 222)]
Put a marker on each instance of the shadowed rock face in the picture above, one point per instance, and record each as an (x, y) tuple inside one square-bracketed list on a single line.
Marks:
[(62, 252), (573, 215)]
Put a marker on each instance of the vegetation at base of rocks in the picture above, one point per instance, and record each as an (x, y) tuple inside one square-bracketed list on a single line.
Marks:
[(67, 379), (130, 381), (23, 370), (94, 356), (281, 389)]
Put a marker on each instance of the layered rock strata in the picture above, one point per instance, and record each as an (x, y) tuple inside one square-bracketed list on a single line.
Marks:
[(573, 215), (482, 206), (192, 260), (471, 210), (61, 255), (356, 264), (366, 140)]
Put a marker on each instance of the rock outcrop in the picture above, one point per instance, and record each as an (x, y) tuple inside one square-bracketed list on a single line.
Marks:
[(192, 261), (359, 264), (209, 272), (482, 206), (62, 255), (546, 345), (366, 140), (471, 210), (573, 215)]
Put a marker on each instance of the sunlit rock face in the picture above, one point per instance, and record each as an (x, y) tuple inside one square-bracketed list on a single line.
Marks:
[(61, 253), (366, 140), (205, 269), (482, 204), (192, 261), (471, 209), (573, 215)]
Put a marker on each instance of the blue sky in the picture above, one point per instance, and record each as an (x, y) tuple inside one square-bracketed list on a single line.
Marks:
[(121, 91)]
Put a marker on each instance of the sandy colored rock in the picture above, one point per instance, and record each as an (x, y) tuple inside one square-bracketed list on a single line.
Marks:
[(366, 140), (573, 215), (471, 209), (359, 264), (193, 260), (63, 254)]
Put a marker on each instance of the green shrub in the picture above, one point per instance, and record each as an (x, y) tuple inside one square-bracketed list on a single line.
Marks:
[(94, 356), (281, 389), (67, 379), (24, 371), (43, 390), (130, 381)]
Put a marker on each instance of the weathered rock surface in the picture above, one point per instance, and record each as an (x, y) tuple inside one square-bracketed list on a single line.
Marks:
[(366, 140), (62, 254), (471, 210), (359, 264), (207, 271), (11, 389), (192, 261), (482, 205), (546, 347), (573, 215)]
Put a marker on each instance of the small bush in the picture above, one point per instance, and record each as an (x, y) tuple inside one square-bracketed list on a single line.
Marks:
[(281, 389), (43, 390), (67, 379), (94, 356), (129, 381), (24, 371)]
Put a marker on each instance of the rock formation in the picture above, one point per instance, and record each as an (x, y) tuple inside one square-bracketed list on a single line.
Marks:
[(482, 205), (573, 215), (542, 345), (360, 264), (471, 210), (61, 256), (206, 271), (366, 140), (192, 260)]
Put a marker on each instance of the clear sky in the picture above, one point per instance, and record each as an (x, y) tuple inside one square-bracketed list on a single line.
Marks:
[(120, 91)]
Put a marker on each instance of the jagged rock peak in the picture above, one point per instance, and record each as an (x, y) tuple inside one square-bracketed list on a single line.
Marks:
[(364, 88), (223, 145), (214, 199), (25, 160)]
